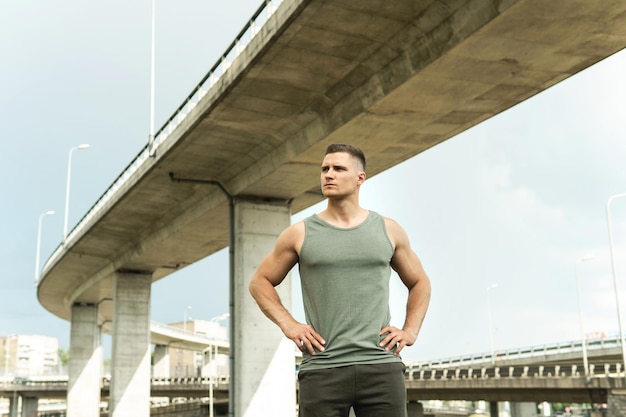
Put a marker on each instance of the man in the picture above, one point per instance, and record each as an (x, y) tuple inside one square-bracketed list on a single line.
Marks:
[(350, 352)]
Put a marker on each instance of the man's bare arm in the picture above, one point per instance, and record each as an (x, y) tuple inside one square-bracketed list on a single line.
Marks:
[(270, 273), (410, 270)]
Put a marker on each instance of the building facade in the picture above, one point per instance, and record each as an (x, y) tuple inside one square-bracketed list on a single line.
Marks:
[(29, 355)]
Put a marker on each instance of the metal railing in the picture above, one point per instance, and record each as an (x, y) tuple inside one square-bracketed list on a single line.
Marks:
[(523, 353), (243, 39), (62, 381), (614, 370), (204, 380)]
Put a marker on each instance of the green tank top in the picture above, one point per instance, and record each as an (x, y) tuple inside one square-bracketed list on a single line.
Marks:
[(345, 276)]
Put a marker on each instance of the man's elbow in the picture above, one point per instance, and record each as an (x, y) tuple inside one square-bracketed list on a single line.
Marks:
[(258, 284), (253, 286), (422, 286)]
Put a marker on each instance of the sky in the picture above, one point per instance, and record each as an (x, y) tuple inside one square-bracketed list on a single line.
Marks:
[(512, 204)]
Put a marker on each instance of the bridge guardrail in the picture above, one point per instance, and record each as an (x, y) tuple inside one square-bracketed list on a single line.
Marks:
[(26, 383), (520, 371), (204, 380), (523, 353)]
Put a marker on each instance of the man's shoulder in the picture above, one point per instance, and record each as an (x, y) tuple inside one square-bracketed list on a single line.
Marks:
[(389, 222), (296, 227), (293, 234), (394, 230)]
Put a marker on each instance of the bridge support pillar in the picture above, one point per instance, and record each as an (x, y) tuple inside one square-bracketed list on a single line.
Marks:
[(30, 406), (493, 409), (524, 410), (415, 409), (161, 367), (14, 403), (264, 365), (616, 403), (84, 372), (130, 371)]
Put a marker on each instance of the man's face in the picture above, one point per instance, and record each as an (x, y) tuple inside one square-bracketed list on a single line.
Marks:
[(341, 174)]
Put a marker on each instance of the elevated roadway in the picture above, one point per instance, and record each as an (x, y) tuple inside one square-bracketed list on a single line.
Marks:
[(554, 383), (159, 387), (557, 375), (162, 334), (394, 78), (517, 383)]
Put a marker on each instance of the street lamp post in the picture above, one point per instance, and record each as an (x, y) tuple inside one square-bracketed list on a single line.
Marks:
[(67, 186), (615, 286), (152, 48), (212, 377), (580, 318), (37, 270), (185, 320), (213, 364), (493, 355)]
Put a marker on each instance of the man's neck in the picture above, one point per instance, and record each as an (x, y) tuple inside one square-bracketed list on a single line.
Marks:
[(343, 213)]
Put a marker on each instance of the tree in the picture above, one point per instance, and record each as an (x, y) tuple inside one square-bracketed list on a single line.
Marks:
[(64, 357)]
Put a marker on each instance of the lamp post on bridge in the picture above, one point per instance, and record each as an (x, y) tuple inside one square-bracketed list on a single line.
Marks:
[(151, 151), (493, 355), (185, 319), (37, 270), (67, 186), (580, 317), (213, 366), (615, 286)]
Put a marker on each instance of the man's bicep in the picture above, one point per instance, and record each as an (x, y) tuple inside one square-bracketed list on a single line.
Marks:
[(277, 264), (405, 261), (408, 266)]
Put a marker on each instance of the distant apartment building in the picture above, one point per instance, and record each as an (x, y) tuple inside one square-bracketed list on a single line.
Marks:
[(28, 355)]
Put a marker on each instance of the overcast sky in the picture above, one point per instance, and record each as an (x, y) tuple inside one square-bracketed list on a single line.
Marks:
[(515, 201)]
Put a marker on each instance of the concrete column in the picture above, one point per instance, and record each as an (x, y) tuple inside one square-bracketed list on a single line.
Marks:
[(83, 392), (14, 409), (130, 370), (523, 410), (264, 360), (415, 409), (161, 367), (616, 403), (546, 409), (493, 409), (29, 406)]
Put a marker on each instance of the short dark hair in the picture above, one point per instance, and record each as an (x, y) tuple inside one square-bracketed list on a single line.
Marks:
[(352, 150)]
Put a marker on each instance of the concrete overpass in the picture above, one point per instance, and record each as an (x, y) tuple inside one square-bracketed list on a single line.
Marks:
[(162, 334), (516, 384), (243, 151)]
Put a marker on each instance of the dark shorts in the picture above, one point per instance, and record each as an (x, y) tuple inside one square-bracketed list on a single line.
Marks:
[(372, 390)]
